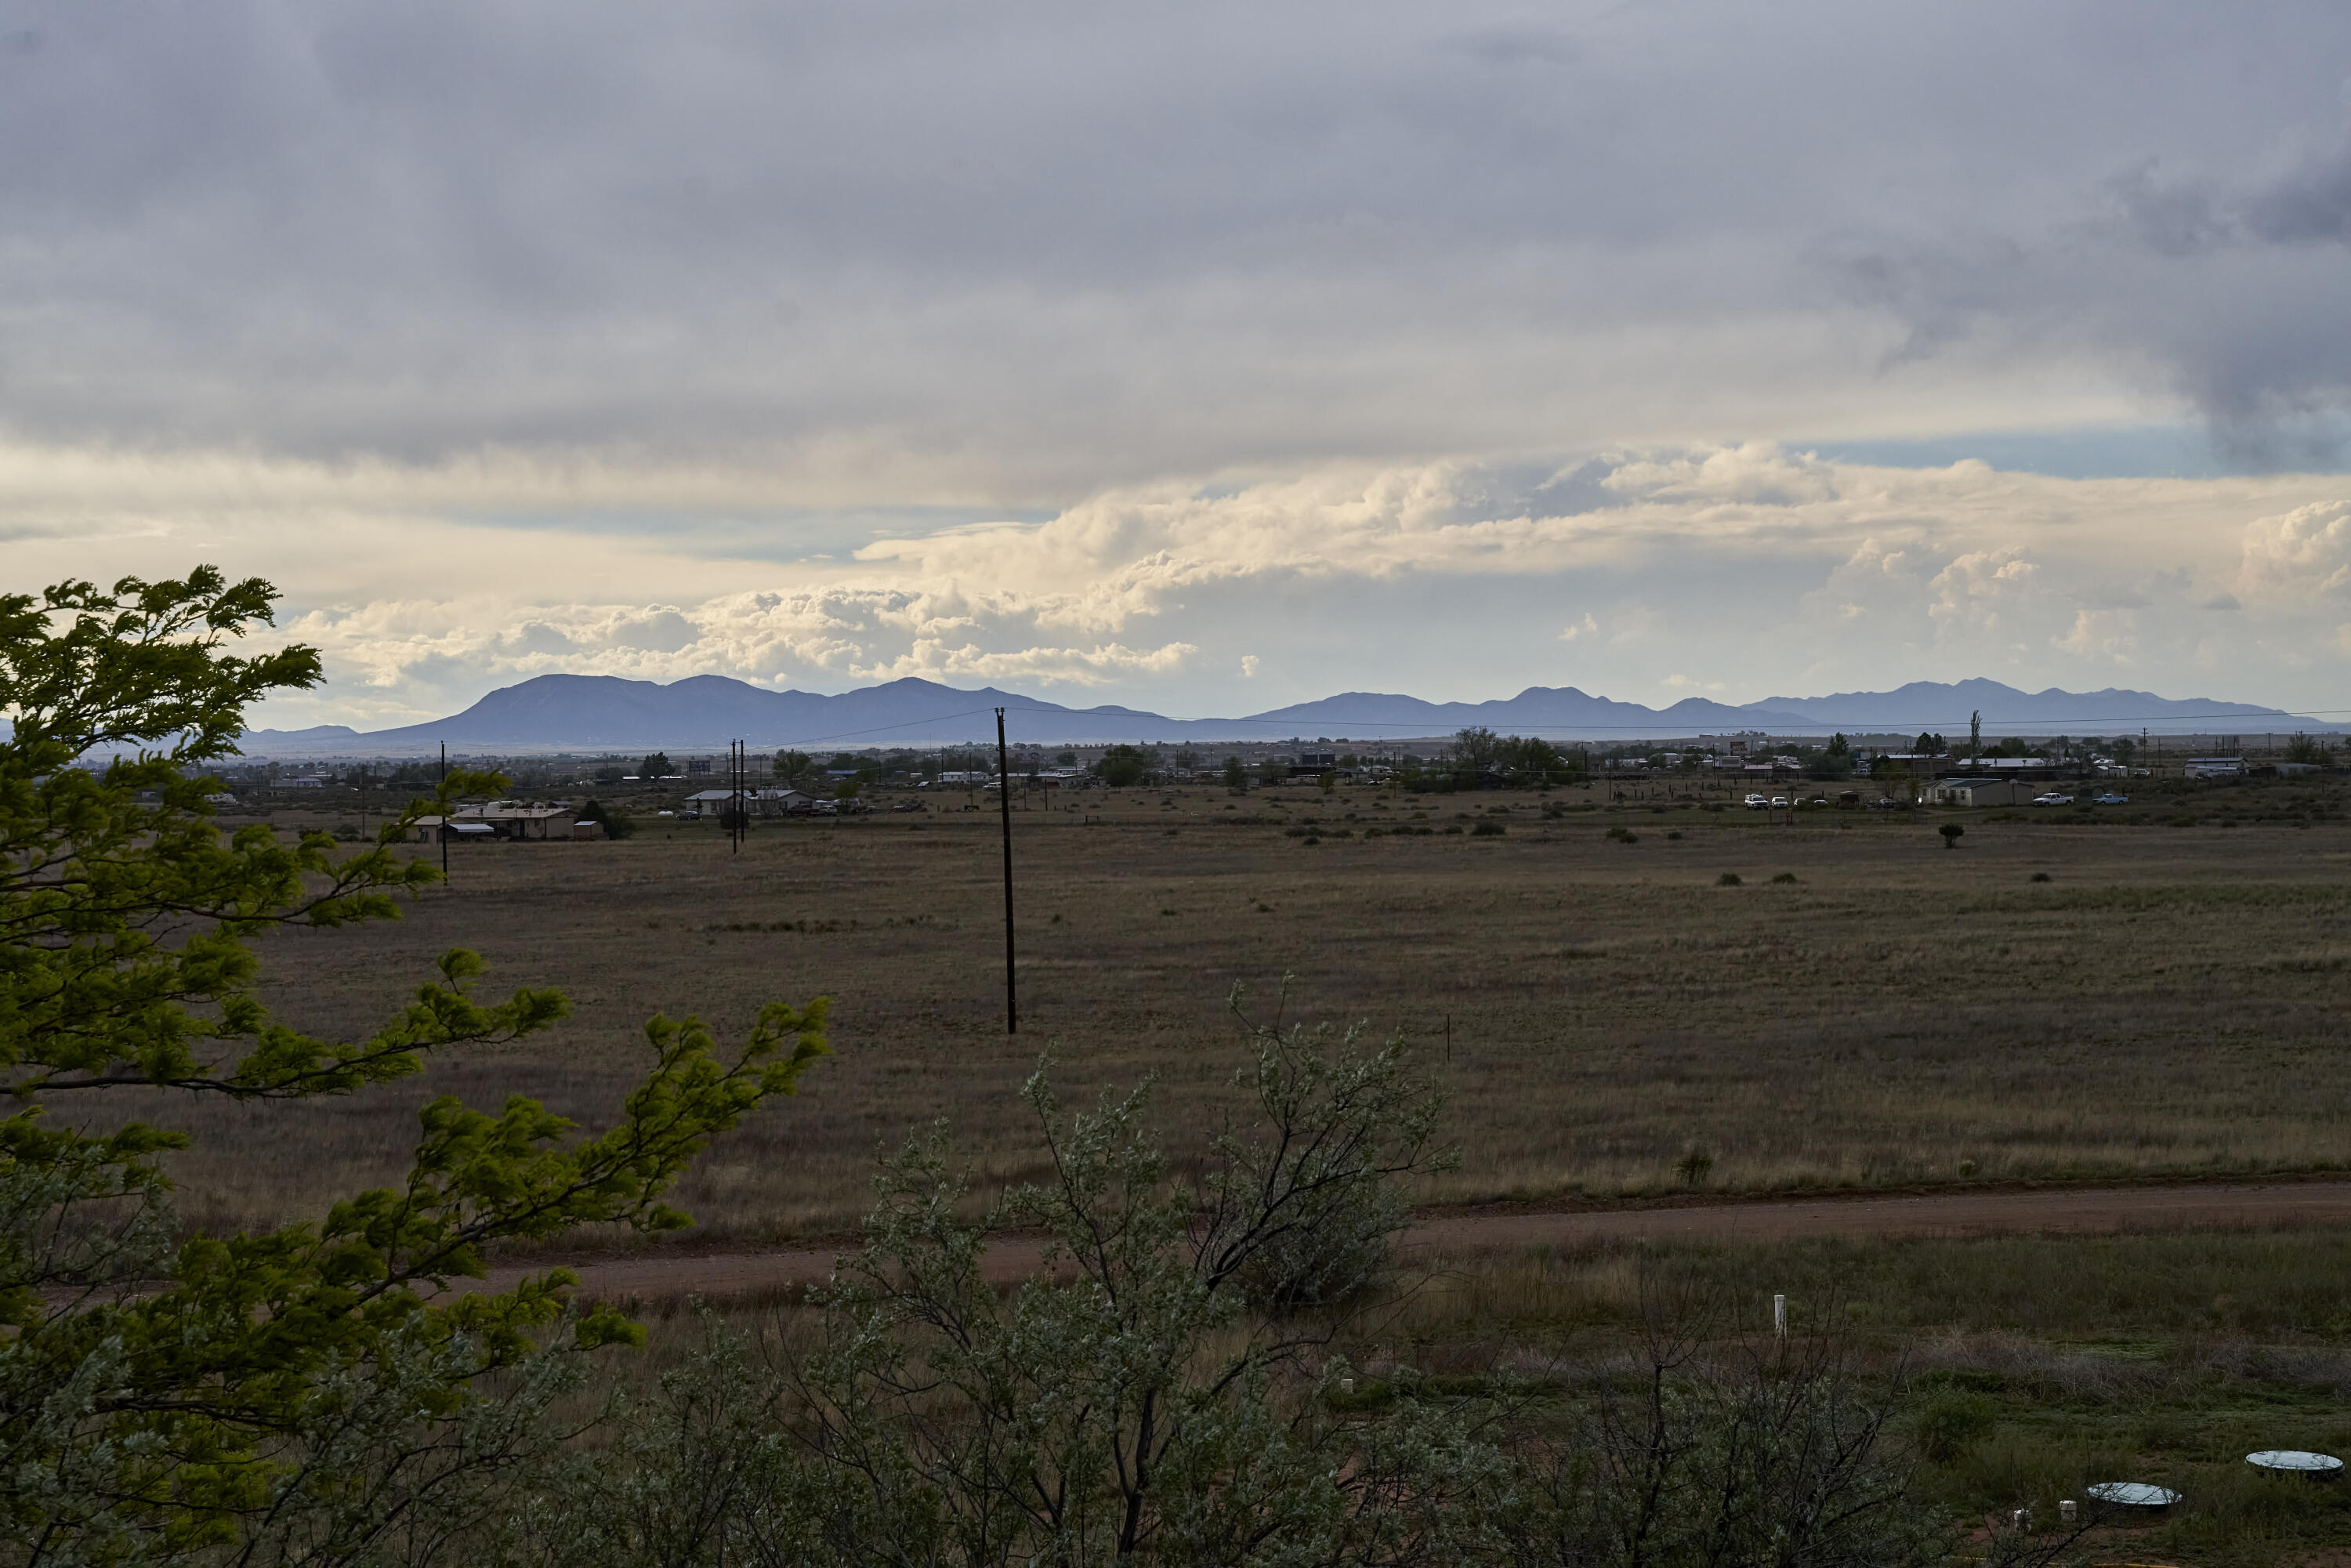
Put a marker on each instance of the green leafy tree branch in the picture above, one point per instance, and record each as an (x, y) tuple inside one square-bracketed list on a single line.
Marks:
[(163, 1395)]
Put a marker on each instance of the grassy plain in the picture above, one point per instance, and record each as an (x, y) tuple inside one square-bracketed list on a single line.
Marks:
[(2170, 999)]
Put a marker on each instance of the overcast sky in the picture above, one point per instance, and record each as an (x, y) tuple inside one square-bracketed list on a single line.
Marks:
[(1199, 357)]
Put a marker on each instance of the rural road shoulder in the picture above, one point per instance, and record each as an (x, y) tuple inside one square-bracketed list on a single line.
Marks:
[(2071, 1210)]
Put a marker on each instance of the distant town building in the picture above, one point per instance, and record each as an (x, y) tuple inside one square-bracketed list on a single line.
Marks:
[(432, 830), (756, 802), (501, 820), (1978, 791)]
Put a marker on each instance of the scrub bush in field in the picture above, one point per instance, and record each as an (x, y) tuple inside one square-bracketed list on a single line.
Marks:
[(1338, 1129), (1144, 1398), (1951, 1422), (1116, 1415), (1705, 1454)]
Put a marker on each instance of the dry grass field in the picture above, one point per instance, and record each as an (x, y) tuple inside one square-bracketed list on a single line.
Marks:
[(2171, 998)]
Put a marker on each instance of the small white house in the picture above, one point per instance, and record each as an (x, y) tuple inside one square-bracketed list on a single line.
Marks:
[(498, 819), (1979, 792), (759, 802)]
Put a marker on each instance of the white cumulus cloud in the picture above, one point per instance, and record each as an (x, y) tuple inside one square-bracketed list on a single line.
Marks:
[(2300, 553)]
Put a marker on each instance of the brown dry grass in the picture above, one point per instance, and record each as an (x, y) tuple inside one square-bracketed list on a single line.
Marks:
[(2169, 1000)]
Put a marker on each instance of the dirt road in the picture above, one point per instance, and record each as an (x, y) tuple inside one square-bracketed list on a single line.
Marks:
[(2083, 1210)]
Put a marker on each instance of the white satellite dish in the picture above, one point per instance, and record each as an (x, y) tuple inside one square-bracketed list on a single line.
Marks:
[(2134, 1494), (2296, 1461)]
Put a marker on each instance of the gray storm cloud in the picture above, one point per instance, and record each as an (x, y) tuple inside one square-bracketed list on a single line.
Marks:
[(1019, 252), (1202, 356)]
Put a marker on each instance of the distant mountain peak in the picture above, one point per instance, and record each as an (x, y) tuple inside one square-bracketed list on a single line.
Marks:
[(596, 714)]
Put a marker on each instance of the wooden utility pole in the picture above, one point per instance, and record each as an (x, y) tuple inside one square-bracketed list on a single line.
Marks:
[(737, 769), (1003, 800), (444, 811)]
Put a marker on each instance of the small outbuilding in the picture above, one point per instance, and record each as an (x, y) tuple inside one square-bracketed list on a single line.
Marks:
[(1978, 791), (433, 830)]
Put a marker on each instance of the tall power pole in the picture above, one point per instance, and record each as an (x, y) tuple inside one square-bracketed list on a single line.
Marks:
[(1003, 800), (737, 772), (444, 811)]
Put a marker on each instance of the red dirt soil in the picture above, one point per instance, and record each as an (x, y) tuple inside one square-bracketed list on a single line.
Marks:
[(2067, 1210)]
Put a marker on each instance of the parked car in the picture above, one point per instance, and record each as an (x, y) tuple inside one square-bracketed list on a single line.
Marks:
[(2053, 799), (2111, 799), (1779, 802), (1756, 802)]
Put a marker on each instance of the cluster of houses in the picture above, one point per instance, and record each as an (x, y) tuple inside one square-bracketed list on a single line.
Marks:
[(2017, 780), (766, 803), (1315, 764), (1042, 778)]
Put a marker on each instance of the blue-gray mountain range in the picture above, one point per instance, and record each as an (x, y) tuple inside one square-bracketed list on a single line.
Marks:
[(604, 712)]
